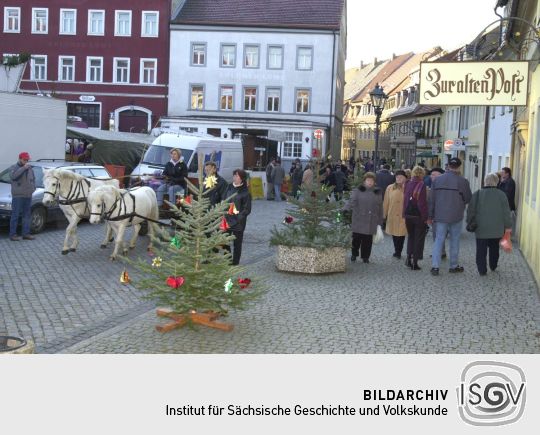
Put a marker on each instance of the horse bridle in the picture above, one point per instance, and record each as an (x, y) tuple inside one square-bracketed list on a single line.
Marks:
[(75, 190)]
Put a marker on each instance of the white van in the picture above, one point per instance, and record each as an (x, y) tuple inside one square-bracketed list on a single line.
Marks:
[(227, 154)]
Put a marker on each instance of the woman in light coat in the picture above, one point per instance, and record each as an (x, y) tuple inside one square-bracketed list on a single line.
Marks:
[(367, 212), (393, 212)]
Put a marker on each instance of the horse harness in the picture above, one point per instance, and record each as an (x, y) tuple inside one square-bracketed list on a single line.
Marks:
[(75, 195)]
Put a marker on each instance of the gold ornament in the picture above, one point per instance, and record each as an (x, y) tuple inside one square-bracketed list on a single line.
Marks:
[(156, 262), (210, 181), (124, 277)]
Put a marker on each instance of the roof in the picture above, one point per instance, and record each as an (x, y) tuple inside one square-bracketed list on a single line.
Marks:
[(307, 14), (357, 78), (118, 136)]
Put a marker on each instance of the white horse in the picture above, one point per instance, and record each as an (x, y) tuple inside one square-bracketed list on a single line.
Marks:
[(71, 191), (123, 208)]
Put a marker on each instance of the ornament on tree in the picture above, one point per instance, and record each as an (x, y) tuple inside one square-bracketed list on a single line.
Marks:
[(223, 226), (175, 242), (124, 277), (339, 217), (210, 182), (185, 200), (175, 281), (232, 209), (228, 286), (156, 262), (288, 220), (244, 282)]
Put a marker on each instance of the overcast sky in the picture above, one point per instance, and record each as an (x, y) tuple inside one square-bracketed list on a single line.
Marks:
[(412, 25)]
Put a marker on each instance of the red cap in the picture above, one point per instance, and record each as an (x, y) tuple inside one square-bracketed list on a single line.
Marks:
[(24, 156)]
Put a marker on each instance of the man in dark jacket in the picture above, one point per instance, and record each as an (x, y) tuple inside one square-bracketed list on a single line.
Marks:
[(450, 194), (339, 181), (278, 176), (384, 179), (237, 218), (296, 177), (508, 186), (269, 180), (23, 184), (175, 174), (214, 184)]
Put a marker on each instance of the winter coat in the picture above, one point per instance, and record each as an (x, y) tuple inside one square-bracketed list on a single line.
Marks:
[(509, 188), (393, 211), (297, 176), (278, 174), (218, 192), (23, 181), (450, 193), (367, 209), (420, 197), (384, 178), (176, 173), (339, 180), (242, 202), (489, 208), (307, 178), (269, 169)]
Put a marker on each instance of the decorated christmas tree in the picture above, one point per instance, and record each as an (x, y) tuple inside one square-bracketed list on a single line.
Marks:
[(191, 274), (313, 221)]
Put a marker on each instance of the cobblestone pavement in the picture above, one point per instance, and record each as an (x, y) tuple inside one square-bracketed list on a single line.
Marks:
[(75, 303)]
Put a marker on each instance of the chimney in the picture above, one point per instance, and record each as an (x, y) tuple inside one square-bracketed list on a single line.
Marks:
[(361, 64), (393, 56), (375, 61)]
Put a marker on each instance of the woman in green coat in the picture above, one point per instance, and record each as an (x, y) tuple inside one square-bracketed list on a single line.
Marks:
[(490, 211)]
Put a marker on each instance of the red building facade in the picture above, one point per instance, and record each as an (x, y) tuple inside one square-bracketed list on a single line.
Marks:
[(107, 59)]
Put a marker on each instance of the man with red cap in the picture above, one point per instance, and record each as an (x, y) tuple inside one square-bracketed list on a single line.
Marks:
[(23, 184)]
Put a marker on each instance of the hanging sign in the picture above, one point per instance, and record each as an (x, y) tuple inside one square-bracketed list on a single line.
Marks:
[(474, 83)]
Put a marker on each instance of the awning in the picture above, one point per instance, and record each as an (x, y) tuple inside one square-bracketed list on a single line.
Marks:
[(427, 154)]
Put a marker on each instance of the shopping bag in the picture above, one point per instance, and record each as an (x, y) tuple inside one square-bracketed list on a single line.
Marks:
[(379, 236)]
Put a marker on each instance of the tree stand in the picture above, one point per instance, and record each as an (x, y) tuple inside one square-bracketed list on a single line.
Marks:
[(180, 320)]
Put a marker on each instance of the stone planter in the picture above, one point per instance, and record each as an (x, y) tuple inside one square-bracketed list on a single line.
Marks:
[(310, 260)]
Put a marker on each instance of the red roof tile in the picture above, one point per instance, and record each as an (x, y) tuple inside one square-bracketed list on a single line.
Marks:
[(309, 14)]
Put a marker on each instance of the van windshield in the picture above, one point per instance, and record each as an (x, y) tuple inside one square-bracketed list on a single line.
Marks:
[(160, 155)]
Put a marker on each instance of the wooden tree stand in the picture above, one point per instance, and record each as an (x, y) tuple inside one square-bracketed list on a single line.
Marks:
[(179, 320)]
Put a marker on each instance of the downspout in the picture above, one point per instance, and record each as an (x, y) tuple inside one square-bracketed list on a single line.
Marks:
[(484, 154), (333, 82)]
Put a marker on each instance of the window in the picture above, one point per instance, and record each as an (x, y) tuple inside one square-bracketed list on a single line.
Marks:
[(197, 97), (292, 147), (96, 22), (302, 101), (40, 20), (39, 68), (94, 69), (150, 24), (66, 68), (198, 54), (304, 58), (226, 98), (122, 23), (273, 95), (148, 71), (68, 21), (12, 20), (251, 56), (250, 99), (121, 69), (228, 55), (275, 57)]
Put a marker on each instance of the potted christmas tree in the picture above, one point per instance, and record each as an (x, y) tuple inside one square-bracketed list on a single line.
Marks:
[(190, 274), (313, 237)]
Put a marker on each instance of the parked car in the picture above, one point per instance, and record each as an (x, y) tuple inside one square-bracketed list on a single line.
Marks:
[(40, 213)]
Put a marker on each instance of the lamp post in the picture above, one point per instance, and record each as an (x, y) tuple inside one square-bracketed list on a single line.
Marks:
[(378, 98)]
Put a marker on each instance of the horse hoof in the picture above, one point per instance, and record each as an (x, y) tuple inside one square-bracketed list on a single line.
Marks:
[(72, 249), (131, 247), (112, 258), (125, 252), (111, 240), (65, 251), (103, 246)]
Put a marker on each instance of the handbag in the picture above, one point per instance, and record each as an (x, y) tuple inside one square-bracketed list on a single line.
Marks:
[(472, 225), (379, 236)]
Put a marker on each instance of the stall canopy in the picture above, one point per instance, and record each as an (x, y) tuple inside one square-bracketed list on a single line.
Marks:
[(113, 148)]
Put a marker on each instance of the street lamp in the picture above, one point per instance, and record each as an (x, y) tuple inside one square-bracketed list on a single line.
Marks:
[(416, 129), (378, 98)]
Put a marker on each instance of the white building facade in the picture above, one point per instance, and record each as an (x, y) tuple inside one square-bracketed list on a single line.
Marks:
[(273, 86)]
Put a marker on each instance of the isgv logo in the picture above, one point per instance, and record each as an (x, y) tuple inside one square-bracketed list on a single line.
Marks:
[(491, 393)]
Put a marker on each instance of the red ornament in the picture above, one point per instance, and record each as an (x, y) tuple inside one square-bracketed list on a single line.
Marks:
[(175, 281), (223, 226), (187, 200), (288, 219), (244, 282), (232, 209)]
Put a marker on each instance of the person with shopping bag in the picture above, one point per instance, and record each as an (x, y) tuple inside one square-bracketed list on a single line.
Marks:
[(489, 217), (415, 213), (366, 204)]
